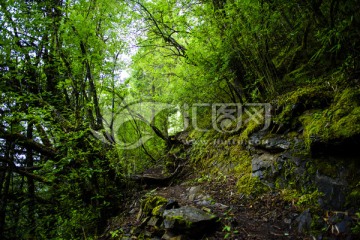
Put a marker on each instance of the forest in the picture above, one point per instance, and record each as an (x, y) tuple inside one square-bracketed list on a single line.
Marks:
[(106, 103)]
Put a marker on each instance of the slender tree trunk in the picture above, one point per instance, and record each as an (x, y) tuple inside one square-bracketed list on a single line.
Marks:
[(30, 183)]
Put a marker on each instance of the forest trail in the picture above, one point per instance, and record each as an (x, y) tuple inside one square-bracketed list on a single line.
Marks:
[(264, 217)]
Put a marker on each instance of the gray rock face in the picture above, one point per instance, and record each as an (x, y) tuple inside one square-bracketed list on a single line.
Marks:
[(282, 159)]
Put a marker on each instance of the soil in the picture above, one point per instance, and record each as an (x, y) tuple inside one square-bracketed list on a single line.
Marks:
[(264, 217)]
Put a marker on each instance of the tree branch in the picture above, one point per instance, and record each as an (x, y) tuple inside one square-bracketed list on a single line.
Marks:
[(26, 142)]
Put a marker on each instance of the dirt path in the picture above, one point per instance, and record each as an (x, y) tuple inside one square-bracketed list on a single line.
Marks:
[(266, 217)]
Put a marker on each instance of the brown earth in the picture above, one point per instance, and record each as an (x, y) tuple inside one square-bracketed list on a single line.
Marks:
[(263, 217)]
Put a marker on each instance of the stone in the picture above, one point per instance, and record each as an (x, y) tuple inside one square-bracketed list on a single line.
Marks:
[(276, 144), (204, 197), (287, 220), (179, 237), (171, 236), (261, 163), (273, 143), (151, 206), (304, 221), (221, 206), (340, 223), (154, 221), (189, 219), (203, 203), (171, 204), (334, 191), (339, 228), (193, 191)]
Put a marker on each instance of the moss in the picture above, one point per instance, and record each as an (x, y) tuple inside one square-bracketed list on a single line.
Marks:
[(296, 102), (246, 183), (292, 134), (182, 222), (328, 169), (303, 200), (340, 121), (353, 197), (250, 128), (157, 210), (152, 204)]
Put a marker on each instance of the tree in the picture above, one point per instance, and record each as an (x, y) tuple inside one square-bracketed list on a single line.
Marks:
[(54, 65)]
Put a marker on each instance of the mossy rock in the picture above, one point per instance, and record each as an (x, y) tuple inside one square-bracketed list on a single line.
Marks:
[(151, 206), (189, 219), (246, 183), (249, 129), (294, 103), (338, 122)]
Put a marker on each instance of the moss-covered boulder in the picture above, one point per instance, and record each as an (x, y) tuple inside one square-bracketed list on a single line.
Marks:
[(188, 219), (291, 105), (151, 206), (338, 125)]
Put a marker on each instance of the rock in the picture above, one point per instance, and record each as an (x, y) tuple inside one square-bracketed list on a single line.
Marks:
[(179, 237), (189, 219), (154, 221), (171, 236), (204, 197), (221, 206), (276, 144), (260, 164), (193, 191), (273, 143), (304, 221), (152, 205), (171, 204), (204, 203), (333, 189), (340, 228), (340, 223)]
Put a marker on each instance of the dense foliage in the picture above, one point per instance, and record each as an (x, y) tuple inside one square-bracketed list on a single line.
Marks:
[(66, 114)]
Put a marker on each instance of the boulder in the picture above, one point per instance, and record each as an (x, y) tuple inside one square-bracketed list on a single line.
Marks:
[(189, 219)]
